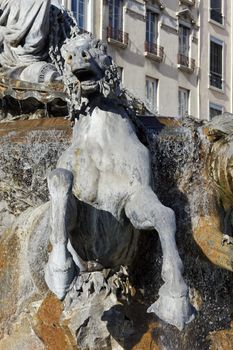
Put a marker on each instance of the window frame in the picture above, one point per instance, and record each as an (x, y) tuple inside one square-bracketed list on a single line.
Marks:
[(120, 20), (87, 15), (156, 26), (217, 107), (187, 112), (154, 106), (222, 25), (221, 43), (77, 14), (187, 27)]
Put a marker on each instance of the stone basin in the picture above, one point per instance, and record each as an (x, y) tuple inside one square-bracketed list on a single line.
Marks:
[(20, 97)]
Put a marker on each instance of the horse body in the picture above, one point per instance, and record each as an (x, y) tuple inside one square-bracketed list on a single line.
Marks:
[(106, 172), (107, 160), (108, 163)]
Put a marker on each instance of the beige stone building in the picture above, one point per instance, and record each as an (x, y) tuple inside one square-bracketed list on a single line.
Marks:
[(175, 54), (216, 57)]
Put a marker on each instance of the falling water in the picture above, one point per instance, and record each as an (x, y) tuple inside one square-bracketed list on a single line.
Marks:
[(180, 156)]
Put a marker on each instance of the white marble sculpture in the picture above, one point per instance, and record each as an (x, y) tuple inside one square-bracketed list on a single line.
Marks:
[(108, 168), (101, 194), (24, 39)]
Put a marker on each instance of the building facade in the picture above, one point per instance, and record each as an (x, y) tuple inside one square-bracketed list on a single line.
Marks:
[(216, 57), (174, 54)]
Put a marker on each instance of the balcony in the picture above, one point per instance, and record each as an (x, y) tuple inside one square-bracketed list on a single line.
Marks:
[(216, 80), (153, 51), (185, 63), (117, 37), (187, 2)]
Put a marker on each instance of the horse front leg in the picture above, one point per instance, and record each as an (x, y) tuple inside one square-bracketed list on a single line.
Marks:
[(60, 268), (146, 212)]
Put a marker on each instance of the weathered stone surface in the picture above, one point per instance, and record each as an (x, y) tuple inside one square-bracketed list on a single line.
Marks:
[(208, 236), (50, 328), (222, 340), (22, 337)]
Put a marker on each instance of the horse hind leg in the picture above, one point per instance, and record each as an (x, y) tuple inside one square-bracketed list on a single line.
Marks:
[(146, 212), (60, 269)]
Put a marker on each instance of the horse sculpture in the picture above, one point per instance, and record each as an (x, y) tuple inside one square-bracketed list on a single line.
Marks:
[(101, 193)]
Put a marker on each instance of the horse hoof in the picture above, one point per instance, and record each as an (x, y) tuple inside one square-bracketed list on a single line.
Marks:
[(59, 271), (175, 311)]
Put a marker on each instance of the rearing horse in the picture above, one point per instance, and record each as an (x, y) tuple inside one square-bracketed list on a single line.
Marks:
[(101, 193)]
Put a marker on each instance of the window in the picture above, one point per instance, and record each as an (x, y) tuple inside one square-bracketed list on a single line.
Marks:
[(214, 110), (183, 99), (216, 53), (185, 62), (151, 93), (114, 30), (79, 8), (216, 11), (152, 50), (184, 39), (151, 27), (116, 14)]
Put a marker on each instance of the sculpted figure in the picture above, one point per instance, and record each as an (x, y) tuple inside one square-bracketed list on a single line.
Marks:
[(24, 31), (24, 39), (101, 195), (101, 192)]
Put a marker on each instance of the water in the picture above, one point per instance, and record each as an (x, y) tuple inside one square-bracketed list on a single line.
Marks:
[(180, 164)]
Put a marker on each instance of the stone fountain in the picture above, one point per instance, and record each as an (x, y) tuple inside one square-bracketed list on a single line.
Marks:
[(83, 201)]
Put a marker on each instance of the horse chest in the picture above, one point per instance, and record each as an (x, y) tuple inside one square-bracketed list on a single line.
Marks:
[(112, 145), (107, 160)]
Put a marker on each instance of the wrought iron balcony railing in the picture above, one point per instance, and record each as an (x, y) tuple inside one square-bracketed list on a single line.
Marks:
[(216, 80), (185, 61), (117, 35), (154, 49)]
